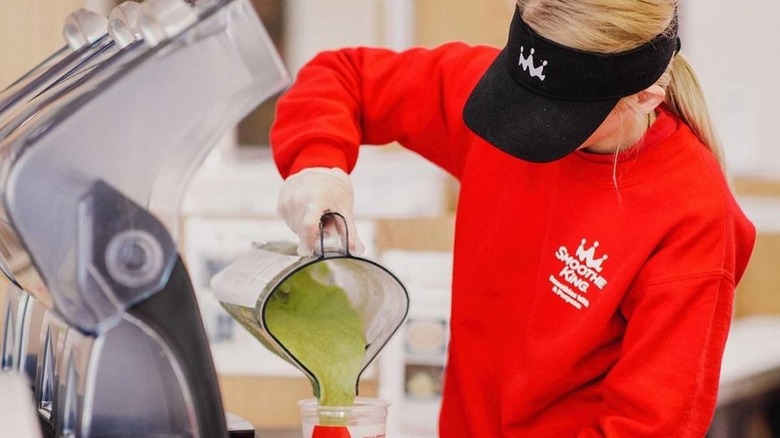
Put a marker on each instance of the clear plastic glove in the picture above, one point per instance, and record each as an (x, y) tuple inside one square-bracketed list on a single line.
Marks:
[(310, 193)]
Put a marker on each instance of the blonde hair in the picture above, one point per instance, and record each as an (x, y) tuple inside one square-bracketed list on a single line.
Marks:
[(611, 26)]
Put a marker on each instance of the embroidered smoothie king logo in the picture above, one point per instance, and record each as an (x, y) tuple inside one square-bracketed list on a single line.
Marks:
[(527, 63), (580, 273)]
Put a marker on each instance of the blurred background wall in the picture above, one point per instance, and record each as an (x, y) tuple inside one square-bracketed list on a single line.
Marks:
[(735, 47)]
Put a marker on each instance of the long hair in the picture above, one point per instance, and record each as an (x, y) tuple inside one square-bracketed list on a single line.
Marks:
[(611, 26)]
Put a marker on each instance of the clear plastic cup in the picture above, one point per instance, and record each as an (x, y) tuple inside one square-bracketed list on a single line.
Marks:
[(366, 418)]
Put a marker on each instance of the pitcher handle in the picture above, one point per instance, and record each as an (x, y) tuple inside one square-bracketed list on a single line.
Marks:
[(326, 219)]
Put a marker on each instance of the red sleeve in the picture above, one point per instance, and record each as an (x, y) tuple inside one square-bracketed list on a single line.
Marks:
[(342, 99), (666, 380)]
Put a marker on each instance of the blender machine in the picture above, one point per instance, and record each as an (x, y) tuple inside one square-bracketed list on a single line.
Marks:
[(97, 144)]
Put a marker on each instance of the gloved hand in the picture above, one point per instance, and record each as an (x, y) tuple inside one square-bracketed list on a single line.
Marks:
[(310, 193)]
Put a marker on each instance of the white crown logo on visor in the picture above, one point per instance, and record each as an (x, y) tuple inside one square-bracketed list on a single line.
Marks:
[(528, 64)]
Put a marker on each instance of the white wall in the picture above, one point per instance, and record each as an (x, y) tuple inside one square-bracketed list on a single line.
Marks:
[(399, 23), (316, 25), (735, 49)]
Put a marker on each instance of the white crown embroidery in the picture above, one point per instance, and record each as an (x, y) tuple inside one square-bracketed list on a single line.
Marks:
[(587, 256), (528, 64)]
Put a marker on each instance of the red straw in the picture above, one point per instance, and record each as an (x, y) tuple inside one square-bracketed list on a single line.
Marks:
[(330, 432)]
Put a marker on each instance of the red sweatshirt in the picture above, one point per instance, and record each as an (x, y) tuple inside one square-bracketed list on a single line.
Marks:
[(592, 296)]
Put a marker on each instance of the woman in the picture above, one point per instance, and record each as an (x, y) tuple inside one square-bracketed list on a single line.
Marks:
[(597, 242)]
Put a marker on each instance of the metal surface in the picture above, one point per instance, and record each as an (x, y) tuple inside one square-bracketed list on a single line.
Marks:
[(196, 86)]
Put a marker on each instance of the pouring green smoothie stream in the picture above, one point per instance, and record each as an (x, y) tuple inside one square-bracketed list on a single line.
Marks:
[(316, 323)]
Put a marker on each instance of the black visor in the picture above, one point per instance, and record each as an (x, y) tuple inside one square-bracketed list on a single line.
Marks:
[(539, 100)]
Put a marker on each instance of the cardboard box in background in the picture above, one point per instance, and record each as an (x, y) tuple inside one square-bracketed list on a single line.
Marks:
[(757, 186), (759, 291)]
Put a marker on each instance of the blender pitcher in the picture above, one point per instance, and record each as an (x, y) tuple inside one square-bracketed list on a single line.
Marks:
[(333, 287)]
